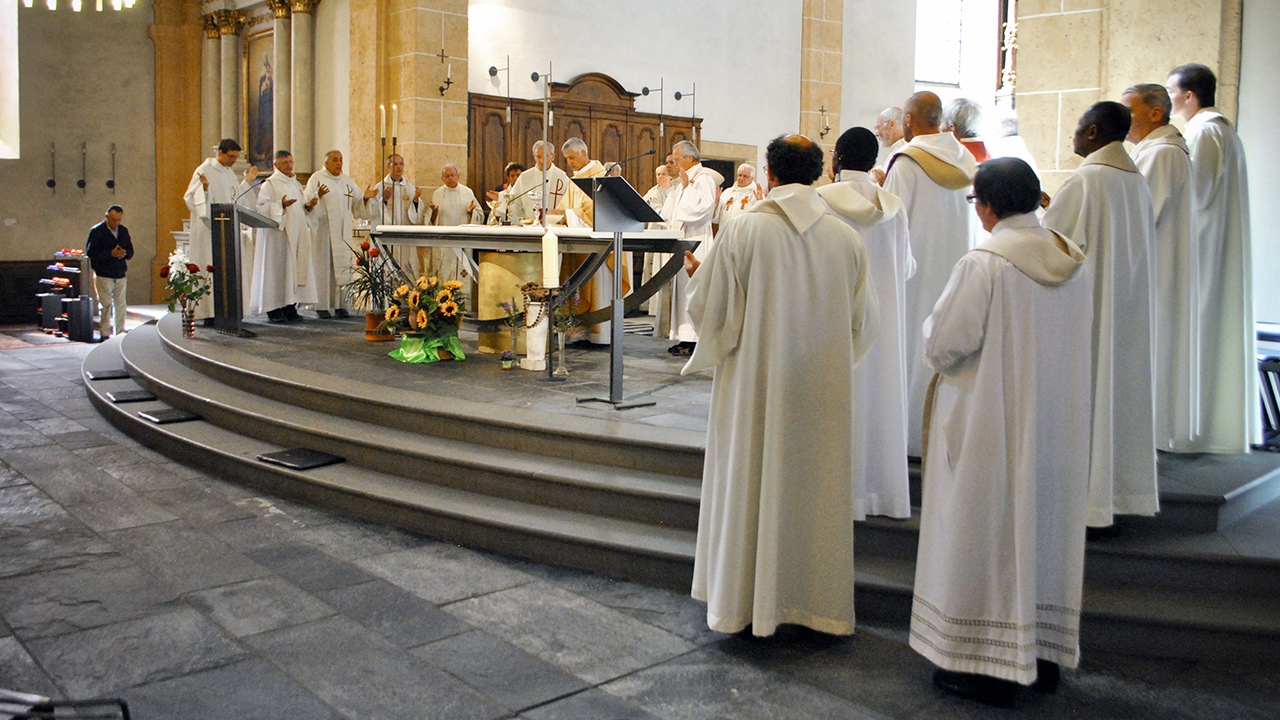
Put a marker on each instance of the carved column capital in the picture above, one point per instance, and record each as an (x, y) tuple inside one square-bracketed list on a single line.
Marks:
[(279, 8), (210, 26), (229, 21), (303, 6)]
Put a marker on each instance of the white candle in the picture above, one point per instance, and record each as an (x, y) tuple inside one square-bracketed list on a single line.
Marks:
[(382, 113), (550, 259), (395, 122), (450, 75)]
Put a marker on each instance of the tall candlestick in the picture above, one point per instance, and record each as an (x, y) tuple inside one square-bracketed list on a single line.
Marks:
[(382, 114), (550, 259), (395, 122)]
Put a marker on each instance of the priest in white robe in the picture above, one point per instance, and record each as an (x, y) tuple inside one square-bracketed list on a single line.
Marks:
[(932, 175), (283, 272), (656, 196), (339, 202), (212, 182), (1161, 155), (1000, 570), (397, 202), (452, 204), (890, 132), (526, 194), (577, 209), (1105, 208), (1230, 419), (880, 382), (739, 198), (692, 206), (775, 528)]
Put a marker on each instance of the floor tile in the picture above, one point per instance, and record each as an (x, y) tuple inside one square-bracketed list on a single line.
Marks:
[(107, 660), (184, 558), (364, 676), (442, 573), (583, 637), (260, 605), (501, 671), (309, 568), (396, 614), (248, 689), (20, 672)]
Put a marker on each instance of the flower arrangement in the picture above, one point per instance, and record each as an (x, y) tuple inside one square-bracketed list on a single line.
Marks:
[(184, 282), (508, 360), (429, 313), (372, 279)]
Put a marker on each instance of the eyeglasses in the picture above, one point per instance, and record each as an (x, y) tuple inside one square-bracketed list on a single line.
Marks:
[(971, 198)]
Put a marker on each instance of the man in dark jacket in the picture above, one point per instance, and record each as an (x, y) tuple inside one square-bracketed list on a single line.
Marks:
[(109, 248)]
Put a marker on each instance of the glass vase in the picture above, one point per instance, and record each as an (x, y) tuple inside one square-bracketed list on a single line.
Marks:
[(188, 321), (561, 370)]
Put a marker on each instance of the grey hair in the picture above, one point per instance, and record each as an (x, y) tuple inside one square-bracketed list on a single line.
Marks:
[(688, 149), (544, 144), (1153, 95), (894, 115), (965, 116), (446, 166), (575, 144), (1007, 125), (748, 166), (329, 155)]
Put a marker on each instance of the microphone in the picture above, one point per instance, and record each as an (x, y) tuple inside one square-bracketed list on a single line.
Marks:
[(624, 162), (246, 191)]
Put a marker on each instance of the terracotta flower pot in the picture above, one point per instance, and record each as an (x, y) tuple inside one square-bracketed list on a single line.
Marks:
[(371, 331)]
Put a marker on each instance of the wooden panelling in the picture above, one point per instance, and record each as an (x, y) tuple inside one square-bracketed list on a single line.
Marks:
[(593, 107)]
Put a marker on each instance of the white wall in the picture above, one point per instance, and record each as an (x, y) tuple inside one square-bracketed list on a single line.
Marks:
[(745, 57), (1259, 108), (879, 60), (333, 78), (86, 77)]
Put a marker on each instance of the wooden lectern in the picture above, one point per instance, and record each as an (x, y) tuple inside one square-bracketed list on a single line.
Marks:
[(224, 230)]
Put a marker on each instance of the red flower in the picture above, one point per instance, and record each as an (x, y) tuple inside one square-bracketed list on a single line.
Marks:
[(192, 267), (209, 268), (164, 271), (364, 245), (375, 252), (359, 261)]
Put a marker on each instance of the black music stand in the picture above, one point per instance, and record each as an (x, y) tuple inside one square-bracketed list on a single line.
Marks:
[(224, 229), (618, 209)]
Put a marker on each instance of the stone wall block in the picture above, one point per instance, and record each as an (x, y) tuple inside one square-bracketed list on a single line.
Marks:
[(1068, 52)]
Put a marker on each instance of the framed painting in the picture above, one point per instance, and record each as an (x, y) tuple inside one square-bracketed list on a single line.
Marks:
[(259, 97)]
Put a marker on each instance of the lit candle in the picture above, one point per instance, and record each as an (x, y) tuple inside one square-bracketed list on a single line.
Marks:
[(550, 259), (395, 122), (382, 113)]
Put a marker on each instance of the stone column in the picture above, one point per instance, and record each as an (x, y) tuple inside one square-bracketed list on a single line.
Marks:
[(303, 92), (821, 68), (210, 85), (229, 24), (280, 125)]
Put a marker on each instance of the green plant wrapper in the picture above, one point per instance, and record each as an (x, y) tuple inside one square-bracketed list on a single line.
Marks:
[(415, 348)]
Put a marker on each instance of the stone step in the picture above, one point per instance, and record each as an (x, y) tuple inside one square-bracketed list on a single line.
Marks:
[(621, 493), (658, 555), (601, 442)]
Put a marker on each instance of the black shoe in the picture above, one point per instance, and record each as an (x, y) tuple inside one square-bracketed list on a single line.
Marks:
[(341, 313), (207, 322), (324, 314), (291, 313), (981, 688), (1047, 676), (682, 349), (276, 316)]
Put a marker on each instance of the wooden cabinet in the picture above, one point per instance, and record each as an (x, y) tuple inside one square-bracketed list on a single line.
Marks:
[(593, 107)]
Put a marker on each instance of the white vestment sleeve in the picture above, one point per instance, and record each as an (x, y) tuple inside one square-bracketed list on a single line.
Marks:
[(717, 305), (1206, 164), (953, 334), (1065, 212), (196, 198)]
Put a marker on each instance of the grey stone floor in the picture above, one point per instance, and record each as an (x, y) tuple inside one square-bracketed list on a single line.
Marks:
[(125, 574)]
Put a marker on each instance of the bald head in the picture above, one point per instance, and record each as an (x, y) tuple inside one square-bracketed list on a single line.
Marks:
[(923, 115)]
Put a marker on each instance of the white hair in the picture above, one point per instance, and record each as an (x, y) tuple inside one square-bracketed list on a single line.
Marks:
[(964, 115), (576, 145), (688, 150), (446, 166), (749, 167), (893, 115), (544, 144)]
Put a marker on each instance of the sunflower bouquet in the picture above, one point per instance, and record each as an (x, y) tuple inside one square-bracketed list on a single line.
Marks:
[(427, 313)]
